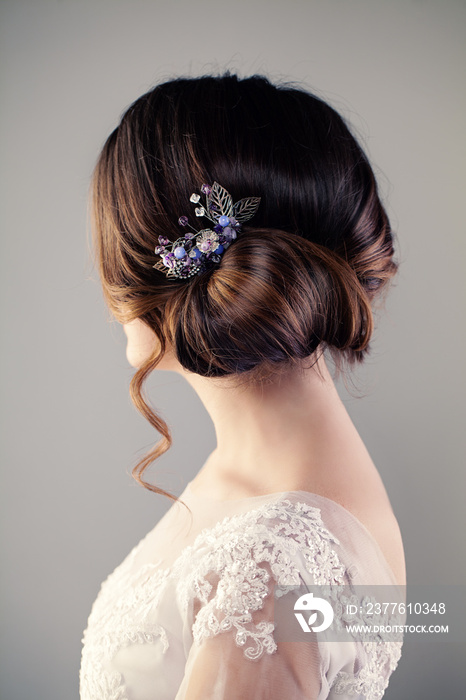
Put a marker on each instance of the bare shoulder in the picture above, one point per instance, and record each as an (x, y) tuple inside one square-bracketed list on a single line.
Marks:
[(366, 498), (380, 520)]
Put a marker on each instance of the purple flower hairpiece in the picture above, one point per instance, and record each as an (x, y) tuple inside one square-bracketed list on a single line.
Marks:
[(196, 252)]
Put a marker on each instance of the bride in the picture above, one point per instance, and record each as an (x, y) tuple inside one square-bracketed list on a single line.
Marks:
[(238, 235)]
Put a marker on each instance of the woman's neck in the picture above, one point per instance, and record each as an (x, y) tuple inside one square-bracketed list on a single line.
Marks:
[(281, 435)]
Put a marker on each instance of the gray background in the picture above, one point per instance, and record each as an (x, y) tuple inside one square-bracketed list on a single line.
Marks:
[(70, 510)]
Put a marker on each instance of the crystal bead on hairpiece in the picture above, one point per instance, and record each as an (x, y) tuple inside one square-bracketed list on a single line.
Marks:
[(196, 252)]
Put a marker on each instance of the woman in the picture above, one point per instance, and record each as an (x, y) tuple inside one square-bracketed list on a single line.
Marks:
[(239, 234)]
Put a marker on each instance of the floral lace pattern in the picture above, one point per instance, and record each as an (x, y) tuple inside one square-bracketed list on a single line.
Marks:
[(118, 619), (372, 679), (224, 570), (237, 547)]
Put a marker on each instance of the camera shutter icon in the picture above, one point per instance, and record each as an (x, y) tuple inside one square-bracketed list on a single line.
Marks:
[(309, 604)]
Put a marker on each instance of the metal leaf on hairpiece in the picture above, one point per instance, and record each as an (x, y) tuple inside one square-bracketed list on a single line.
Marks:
[(222, 203), (245, 208), (195, 252)]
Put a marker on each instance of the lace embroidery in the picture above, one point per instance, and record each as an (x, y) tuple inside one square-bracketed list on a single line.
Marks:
[(232, 551), (118, 619), (380, 655), (372, 679), (242, 585)]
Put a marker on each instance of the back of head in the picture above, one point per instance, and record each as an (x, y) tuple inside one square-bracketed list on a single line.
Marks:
[(301, 275)]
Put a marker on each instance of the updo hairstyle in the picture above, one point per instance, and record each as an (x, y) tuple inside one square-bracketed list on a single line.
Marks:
[(302, 275)]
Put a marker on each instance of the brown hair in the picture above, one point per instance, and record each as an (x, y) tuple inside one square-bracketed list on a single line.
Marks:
[(302, 278)]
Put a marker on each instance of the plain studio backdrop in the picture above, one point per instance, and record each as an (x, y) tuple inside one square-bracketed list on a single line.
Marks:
[(70, 509)]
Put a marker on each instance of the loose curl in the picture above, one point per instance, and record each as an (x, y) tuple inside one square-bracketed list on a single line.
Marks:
[(303, 279)]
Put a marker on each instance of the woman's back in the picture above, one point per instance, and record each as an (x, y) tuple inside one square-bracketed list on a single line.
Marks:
[(363, 494)]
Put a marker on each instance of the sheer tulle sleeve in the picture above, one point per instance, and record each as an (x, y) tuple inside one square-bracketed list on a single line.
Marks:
[(234, 654), (230, 594)]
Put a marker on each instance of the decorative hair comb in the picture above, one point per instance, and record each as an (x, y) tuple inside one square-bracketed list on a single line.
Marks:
[(196, 252)]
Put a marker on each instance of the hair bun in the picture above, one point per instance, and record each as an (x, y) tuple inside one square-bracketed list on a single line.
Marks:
[(276, 297)]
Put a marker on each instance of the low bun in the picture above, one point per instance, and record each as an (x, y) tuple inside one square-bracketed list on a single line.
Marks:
[(275, 298), (368, 245)]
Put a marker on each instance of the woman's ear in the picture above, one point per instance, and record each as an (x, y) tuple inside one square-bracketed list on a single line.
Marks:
[(141, 343)]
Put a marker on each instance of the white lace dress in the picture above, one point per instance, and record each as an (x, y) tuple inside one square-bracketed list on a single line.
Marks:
[(189, 613)]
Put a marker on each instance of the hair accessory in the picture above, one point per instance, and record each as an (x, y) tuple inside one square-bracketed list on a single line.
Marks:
[(196, 252)]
